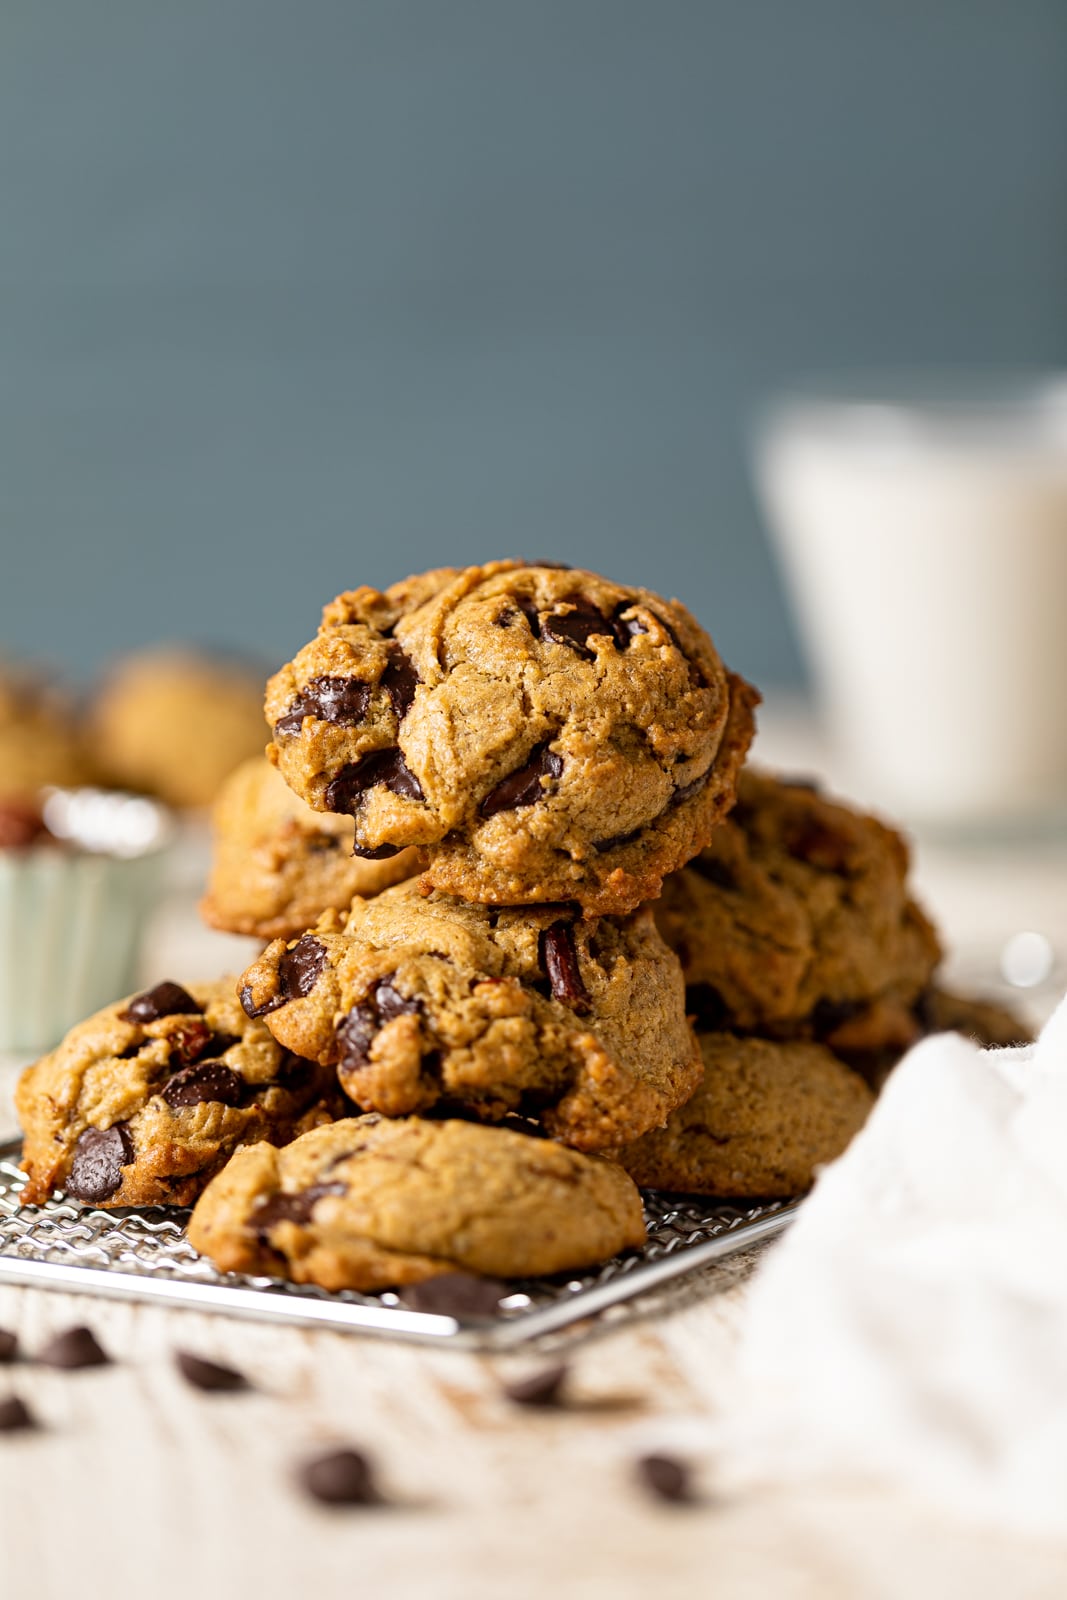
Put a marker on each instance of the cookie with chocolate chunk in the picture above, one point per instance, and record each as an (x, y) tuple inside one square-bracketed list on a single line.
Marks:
[(542, 734), (372, 1204), (797, 916), (142, 1103), (423, 1001), (278, 865), (766, 1116)]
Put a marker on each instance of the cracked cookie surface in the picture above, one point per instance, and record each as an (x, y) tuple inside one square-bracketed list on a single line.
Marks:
[(542, 733), (766, 1115), (278, 865), (371, 1204), (422, 1000), (143, 1102), (797, 915)]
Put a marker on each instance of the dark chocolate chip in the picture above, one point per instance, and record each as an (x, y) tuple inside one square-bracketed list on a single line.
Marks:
[(559, 956), (207, 1081), (831, 1014), (292, 1207), (208, 1375), (544, 1388), (378, 852), (391, 1003), (387, 767), (550, 566), (189, 1041), (294, 1072), (342, 701), (818, 845), (577, 626), (455, 1294), (706, 1006), (99, 1157), (165, 1000), (221, 1042), (400, 680), (9, 1346), (15, 1415), (696, 676), (298, 972), (355, 1035), (686, 791), (714, 871), (77, 1347), (524, 787), (665, 1477), (341, 1478), (625, 628), (617, 840)]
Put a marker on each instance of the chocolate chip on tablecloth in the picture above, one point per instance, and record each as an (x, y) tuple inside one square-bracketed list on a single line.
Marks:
[(73, 1349), (665, 1477), (210, 1376), (544, 1388), (15, 1415), (340, 1478), (9, 1345)]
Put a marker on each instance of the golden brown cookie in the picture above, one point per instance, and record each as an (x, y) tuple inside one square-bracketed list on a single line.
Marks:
[(371, 1204), (174, 723), (767, 1115), (40, 742), (544, 734), (797, 914), (142, 1103), (425, 1001), (278, 865)]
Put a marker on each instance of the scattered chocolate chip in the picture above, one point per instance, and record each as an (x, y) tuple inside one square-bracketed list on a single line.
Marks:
[(544, 1388), (15, 1415), (714, 871), (298, 972), (616, 840), (665, 1477), (342, 701), (524, 787), (9, 1346), (378, 852), (625, 628), (387, 767), (341, 1478), (189, 1040), (559, 956), (577, 626), (706, 1006), (292, 1207), (455, 1294), (357, 1031), (400, 680), (99, 1157), (75, 1348), (207, 1081), (208, 1375), (165, 1000)]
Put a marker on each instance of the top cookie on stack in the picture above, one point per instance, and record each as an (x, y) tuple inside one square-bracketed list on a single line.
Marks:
[(540, 733)]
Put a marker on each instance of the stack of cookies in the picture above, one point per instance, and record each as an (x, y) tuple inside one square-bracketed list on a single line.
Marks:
[(506, 857)]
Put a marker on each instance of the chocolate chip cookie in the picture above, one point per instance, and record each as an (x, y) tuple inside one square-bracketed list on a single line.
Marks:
[(796, 915), (767, 1115), (278, 865), (372, 1204), (40, 741), (542, 733), (423, 1000), (174, 723), (144, 1101)]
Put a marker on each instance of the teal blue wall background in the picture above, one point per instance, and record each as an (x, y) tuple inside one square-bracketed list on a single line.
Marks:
[(295, 296)]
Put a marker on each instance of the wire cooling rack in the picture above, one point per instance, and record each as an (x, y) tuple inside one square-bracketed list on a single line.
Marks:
[(144, 1255)]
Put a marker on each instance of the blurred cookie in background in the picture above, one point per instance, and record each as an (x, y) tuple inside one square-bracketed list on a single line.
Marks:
[(175, 722), (40, 739), (277, 865)]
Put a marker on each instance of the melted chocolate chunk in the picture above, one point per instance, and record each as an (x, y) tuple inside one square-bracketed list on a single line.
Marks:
[(9, 1346), (400, 680), (298, 972), (616, 840), (706, 1006), (387, 767), (76, 1348), (714, 871), (99, 1157), (665, 1477), (696, 676), (209, 1376), (544, 1388), (456, 1294), (831, 1014), (523, 788), (341, 1478), (207, 1081), (576, 627), (15, 1415), (377, 852), (294, 1072), (342, 701), (817, 844), (559, 956), (529, 610), (165, 1000), (357, 1032), (625, 628), (291, 1207), (686, 791)]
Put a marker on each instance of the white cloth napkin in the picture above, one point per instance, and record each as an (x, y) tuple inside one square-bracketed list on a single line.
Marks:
[(912, 1325)]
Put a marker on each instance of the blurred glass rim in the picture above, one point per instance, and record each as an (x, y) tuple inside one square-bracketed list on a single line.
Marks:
[(1011, 410)]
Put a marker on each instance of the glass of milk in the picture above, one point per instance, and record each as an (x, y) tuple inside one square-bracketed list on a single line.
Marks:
[(923, 537)]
